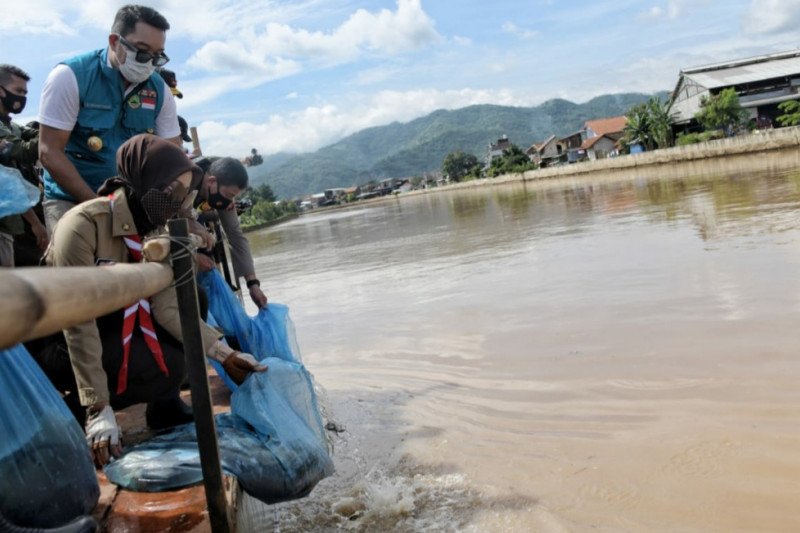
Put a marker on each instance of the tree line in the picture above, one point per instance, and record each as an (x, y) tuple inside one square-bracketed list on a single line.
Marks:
[(259, 205)]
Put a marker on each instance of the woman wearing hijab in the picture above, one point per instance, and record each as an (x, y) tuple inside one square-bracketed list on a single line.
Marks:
[(116, 360)]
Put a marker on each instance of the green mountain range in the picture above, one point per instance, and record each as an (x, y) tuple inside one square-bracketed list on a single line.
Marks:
[(400, 150)]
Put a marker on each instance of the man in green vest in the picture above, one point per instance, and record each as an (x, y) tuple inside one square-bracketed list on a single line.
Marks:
[(91, 104)]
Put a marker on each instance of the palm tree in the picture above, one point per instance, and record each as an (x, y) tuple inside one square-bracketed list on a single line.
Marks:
[(649, 125), (660, 122), (637, 130)]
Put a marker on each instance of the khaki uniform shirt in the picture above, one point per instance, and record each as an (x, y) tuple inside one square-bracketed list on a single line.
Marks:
[(92, 233)]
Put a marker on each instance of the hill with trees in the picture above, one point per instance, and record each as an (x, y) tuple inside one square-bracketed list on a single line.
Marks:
[(418, 146)]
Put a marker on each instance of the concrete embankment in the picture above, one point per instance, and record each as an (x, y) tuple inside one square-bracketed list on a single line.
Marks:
[(769, 149), (765, 141)]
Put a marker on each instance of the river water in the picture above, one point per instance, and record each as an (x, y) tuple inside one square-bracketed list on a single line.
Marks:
[(587, 354)]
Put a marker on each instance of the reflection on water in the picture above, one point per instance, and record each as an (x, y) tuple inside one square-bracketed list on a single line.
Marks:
[(577, 354)]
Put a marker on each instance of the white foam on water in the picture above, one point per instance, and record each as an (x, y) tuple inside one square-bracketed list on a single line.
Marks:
[(402, 500)]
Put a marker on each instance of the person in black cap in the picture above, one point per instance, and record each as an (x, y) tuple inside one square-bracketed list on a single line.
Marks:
[(184, 129), (172, 82)]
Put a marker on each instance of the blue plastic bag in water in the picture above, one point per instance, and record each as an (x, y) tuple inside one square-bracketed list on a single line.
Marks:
[(46, 473), (273, 440)]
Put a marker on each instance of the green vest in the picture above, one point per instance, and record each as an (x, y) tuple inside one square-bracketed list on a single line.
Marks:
[(108, 113)]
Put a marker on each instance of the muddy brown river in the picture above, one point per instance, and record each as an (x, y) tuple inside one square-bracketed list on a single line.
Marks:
[(576, 355)]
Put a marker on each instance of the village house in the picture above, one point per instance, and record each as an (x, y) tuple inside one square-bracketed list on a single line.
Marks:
[(572, 145), (761, 82), (547, 153), (432, 179), (496, 149), (352, 192), (601, 136)]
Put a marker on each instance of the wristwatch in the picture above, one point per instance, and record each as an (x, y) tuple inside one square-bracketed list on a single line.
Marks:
[(251, 282)]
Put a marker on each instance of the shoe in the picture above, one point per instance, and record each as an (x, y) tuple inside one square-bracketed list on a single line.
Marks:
[(83, 524), (162, 414)]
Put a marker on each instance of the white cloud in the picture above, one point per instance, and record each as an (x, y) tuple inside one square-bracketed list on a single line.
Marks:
[(373, 76), (364, 33), (772, 16), (33, 17), (655, 12), (314, 127), (200, 91), (522, 33), (671, 10), (292, 96), (227, 57), (196, 19)]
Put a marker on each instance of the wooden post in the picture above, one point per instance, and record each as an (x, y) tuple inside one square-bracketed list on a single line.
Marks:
[(195, 141), (193, 351)]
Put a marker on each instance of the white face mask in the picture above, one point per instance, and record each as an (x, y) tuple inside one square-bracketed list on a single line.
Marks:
[(133, 71)]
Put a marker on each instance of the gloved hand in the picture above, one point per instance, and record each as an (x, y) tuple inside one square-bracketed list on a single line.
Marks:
[(103, 435), (238, 365)]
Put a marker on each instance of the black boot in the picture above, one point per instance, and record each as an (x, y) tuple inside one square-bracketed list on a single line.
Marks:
[(83, 524), (162, 414)]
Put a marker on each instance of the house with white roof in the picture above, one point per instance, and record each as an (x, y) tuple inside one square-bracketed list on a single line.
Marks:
[(761, 82)]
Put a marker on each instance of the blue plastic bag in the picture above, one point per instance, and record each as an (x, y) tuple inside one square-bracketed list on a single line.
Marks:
[(270, 334), (273, 440), (16, 194), (47, 477)]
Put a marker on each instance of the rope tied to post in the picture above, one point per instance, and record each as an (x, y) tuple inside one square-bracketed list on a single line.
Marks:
[(157, 248)]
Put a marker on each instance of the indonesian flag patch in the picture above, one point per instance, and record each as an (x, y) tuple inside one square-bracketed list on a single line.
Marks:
[(148, 99)]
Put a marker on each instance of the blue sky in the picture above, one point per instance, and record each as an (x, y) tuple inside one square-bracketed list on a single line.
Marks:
[(297, 75)]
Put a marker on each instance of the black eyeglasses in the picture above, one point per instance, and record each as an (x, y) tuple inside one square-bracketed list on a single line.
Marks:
[(159, 60)]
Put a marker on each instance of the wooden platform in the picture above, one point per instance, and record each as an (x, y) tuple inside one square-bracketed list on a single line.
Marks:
[(184, 510)]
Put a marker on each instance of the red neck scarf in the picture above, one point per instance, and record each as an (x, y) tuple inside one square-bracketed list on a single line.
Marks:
[(142, 309)]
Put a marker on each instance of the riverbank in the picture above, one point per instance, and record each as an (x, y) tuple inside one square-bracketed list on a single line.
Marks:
[(284, 218), (742, 153)]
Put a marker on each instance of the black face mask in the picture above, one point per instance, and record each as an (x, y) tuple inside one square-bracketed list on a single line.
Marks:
[(13, 102), (160, 206), (217, 201)]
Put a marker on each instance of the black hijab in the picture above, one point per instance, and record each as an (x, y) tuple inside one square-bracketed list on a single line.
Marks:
[(146, 162)]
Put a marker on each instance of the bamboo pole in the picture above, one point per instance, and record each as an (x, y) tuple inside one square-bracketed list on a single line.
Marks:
[(38, 301)]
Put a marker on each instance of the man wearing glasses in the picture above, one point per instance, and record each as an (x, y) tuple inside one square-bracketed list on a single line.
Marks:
[(93, 103)]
